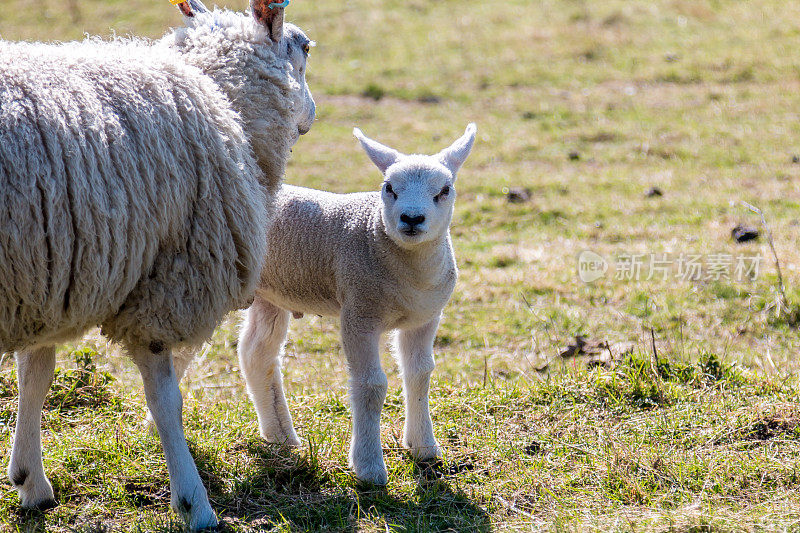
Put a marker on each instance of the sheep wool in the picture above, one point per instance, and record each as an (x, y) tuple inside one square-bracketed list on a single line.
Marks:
[(137, 180), (130, 196)]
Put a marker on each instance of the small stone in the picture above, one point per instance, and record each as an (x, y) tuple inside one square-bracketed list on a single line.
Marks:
[(574, 156), (518, 195), (533, 448), (743, 233), (796, 159), (653, 192)]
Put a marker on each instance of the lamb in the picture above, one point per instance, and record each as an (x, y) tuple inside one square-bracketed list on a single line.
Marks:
[(380, 261), (136, 186)]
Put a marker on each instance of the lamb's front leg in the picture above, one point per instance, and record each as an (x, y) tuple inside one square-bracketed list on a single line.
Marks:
[(35, 370), (260, 343), (415, 354), (360, 340), (188, 496)]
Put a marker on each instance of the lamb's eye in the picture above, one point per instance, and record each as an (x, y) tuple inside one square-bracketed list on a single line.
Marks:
[(444, 192), (306, 48), (389, 190)]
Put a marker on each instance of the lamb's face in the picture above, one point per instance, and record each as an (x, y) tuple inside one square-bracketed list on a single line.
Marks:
[(297, 47), (418, 194), (418, 197)]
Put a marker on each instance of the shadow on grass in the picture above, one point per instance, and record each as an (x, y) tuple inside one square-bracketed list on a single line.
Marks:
[(274, 485), (30, 521)]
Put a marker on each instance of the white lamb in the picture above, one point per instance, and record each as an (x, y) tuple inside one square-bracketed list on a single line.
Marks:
[(136, 186), (379, 261)]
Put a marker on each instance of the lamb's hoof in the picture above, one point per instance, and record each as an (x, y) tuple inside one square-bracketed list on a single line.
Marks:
[(37, 496), (425, 453), (379, 479), (273, 437), (374, 474)]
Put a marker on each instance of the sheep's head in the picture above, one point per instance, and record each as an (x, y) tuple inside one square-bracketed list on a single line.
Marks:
[(292, 44), (418, 191), (249, 55), (298, 47)]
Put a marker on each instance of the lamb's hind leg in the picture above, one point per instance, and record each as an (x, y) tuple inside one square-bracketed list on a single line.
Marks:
[(415, 353), (35, 375), (260, 344), (188, 496)]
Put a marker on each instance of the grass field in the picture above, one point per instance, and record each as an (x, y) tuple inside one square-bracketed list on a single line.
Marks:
[(589, 105)]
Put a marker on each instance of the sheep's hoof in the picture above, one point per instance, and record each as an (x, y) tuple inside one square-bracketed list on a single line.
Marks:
[(212, 526), (199, 517), (205, 525)]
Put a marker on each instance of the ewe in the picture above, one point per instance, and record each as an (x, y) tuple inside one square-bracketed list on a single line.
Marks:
[(136, 186), (380, 261)]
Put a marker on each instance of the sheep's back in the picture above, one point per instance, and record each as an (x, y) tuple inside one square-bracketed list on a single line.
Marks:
[(127, 196)]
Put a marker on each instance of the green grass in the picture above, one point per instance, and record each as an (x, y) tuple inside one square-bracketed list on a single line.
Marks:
[(588, 104), (646, 445)]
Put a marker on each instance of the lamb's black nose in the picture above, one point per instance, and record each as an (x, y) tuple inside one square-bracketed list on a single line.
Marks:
[(412, 221)]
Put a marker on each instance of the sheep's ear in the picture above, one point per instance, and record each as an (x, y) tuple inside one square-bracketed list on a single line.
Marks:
[(270, 14), (381, 155), (190, 8), (454, 156)]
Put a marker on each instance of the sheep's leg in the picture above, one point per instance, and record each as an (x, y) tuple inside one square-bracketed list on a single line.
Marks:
[(415, 354), (181, 359), (188, 496), (35, 375), (360, 340), (260, 343)]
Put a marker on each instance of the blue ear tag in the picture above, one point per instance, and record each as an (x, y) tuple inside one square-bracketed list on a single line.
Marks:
[(282, 4)]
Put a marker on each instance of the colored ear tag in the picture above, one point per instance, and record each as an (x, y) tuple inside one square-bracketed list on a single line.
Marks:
[(183, 5)]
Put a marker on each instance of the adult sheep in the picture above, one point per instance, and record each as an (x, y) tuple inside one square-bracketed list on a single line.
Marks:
[(136, 180)]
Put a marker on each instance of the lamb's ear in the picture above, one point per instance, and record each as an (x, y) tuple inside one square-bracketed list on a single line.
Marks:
[(270, 14), (190, 8), (455, 155), (381, 155)]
